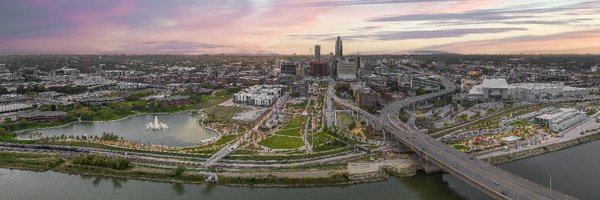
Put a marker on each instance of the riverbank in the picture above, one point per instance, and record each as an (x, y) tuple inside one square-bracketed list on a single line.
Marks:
[(503, 157), (330, 175)]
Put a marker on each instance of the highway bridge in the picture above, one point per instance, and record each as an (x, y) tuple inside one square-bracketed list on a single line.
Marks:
[(483, 176)]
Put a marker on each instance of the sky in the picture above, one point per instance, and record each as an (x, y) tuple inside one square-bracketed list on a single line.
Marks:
[(294, 26)]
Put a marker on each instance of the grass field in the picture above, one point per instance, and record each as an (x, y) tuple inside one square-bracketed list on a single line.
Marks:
[(290, 132), (293, 127), (295, 122), (282, 142)]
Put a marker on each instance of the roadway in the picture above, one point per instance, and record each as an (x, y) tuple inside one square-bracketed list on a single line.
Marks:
[(483, 176), (488, 178)]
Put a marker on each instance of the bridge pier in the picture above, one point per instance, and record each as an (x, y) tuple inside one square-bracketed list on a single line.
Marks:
[(430, 168)]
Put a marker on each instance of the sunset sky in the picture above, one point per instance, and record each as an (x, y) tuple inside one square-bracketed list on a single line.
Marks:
[(293, 26)]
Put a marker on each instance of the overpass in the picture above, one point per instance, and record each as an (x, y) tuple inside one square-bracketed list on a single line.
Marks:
[(483, 176)]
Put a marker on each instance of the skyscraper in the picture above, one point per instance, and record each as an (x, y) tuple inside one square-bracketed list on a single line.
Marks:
[(338, 47), (318, 53)]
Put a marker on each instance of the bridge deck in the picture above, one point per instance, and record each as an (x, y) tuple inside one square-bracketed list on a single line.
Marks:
[(483, 176)]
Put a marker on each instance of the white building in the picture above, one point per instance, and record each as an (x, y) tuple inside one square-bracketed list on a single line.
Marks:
[(499, 89), (561, 119), (259, 95)]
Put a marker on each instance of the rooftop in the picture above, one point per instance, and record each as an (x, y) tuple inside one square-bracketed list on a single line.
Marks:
[(43, 114), (495, 83)]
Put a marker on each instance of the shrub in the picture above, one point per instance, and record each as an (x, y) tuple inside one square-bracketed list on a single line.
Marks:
[(102, 161)]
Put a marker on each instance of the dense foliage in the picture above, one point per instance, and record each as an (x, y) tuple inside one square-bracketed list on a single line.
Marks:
[(102, 161)]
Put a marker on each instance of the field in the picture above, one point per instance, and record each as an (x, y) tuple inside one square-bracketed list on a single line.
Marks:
[(282, 142), (293, 127), (290, 132)]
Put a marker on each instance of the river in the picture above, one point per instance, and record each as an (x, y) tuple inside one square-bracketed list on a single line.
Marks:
[(574, 171), (184, 130)]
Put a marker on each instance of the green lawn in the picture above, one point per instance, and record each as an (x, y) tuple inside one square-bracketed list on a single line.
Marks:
[(294, 127), (290, 132), (225, 139), (295, 122), (282, 142)]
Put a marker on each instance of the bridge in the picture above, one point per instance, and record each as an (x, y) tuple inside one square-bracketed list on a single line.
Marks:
[(489, 179)]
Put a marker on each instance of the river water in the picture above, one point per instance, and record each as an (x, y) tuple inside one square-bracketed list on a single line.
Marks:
[(184, 130), (574, 171)]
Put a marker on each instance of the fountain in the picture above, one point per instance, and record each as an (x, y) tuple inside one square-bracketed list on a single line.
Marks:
[(156, 126)]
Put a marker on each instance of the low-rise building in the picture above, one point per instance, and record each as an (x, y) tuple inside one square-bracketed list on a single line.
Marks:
[(259, 95), (300, 88), (14, 107), (499, 89), (174, 101), (364, 95), (42, 116), (561, 119)]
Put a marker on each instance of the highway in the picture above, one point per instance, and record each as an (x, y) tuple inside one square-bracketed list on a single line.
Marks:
[(488, 178), (483, 176)]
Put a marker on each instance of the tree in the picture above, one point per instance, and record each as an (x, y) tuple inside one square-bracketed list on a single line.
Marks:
[(179, 170), (83, 112), (421, 91), (463, 117), (352, 125)]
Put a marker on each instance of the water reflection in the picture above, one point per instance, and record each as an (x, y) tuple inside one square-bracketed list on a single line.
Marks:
[(436, 186), (117, 183), (574, 171), (179, 189)]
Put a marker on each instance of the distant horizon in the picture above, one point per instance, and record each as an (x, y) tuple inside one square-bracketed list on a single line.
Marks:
[(286, 27), (274, 54)]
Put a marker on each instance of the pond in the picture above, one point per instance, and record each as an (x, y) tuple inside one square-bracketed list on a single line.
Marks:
[(184, 129)]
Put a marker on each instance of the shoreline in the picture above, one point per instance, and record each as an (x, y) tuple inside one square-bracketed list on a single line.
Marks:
[(210, 140), (107, 121), (376, 172), (539, 150), (264, 179)]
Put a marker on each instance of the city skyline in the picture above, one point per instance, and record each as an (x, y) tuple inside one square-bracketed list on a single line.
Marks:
[(289, 27)]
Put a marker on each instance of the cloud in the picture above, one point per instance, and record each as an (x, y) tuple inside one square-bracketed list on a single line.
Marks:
[(408, 35), (353, 3), (430, 34), (511, 15), (174, 46), (568, 42)]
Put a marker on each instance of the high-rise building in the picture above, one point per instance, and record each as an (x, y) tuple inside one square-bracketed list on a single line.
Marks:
[(338, 47), (357, 60), (318, 53)]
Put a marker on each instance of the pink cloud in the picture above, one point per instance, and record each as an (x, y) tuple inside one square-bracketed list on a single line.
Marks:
[(568, 42)]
